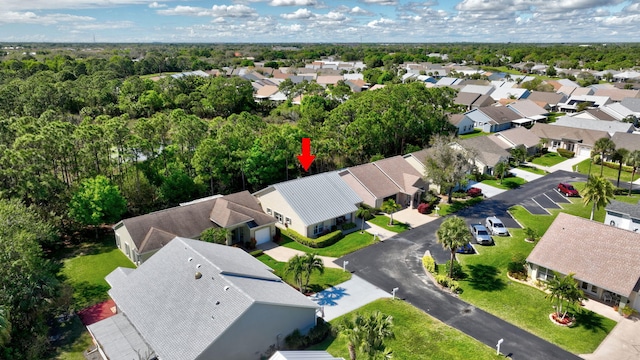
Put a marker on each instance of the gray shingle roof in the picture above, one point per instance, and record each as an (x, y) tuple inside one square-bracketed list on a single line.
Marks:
[(550, 98), (500, 114), (516, 136), (624, 208), (592, 124), (599, 254), (119, 338), (489, 152), (627, 141), (318, 197), (632, 104), (178, 315), (466, 98)]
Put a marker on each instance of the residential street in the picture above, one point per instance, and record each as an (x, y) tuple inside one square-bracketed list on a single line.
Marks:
[(397, 263)]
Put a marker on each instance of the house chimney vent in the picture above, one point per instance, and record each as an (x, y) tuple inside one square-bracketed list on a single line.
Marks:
[(198, 266), (190, 259), (226, 288)]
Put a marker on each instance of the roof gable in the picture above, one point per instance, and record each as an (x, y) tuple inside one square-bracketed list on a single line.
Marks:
[(599, 254)]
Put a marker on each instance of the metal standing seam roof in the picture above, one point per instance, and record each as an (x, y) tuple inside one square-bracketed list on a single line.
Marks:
[(599, 254), (318, 197), (180, 315)]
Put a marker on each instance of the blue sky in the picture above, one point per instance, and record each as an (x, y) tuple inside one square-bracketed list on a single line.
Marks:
[(319, 21)]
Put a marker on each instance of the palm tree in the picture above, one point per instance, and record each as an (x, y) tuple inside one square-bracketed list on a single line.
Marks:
[(296, 267), (390, 206), (500, 169), (598, 191), (452, 234), (519, 154), (365, 212), (633, 160), (5, 326), (563, 289), (619, 155), (367, 333), (312, 263), (603, 146)]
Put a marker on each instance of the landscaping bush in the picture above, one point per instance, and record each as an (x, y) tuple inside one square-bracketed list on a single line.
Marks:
[(474, 192), (516, 267), (256, 253), (459, 195), (424, 208), (348, 226), (429, 263), (444, 280), (323, 241), (566, 153), (430, 197), (616, 165), (316, 335), (458, 273)]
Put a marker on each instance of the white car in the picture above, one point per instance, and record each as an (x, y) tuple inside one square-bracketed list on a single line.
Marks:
[(496, 227)]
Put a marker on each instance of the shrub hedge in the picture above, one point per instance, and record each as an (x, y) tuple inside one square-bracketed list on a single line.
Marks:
[(349, 226), (323, 241), (429, 263), (565, 153)]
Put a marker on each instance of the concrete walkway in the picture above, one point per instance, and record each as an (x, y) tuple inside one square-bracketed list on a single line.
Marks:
[(527, 175), (346, 297), (413, 218), (567, 165), (487, 190), (622, 343), (283, 254)]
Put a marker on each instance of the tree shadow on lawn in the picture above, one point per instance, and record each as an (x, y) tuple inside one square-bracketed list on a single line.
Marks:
[(510, 184), (485, 278), (589, 320), (86, 294)]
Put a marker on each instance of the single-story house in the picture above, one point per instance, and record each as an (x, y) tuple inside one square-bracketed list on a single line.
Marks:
[(595, 114), (509, 93), (198, 300), (627, 141), (617, 94), (580, 141), (489, 153), (142, 236), (515, 137), (618, 111), (303, 355), (391, 178), (603, 258), (478, 89), (623, 215), (571, 105), (472, 100), (529, 111), (610, 127), (493, 118), (463, 123), (310, 205), (551, 99)]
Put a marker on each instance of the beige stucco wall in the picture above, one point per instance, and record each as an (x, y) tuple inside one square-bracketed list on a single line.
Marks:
[(124, 238), (274, 201), (359, 189), (261, 326)]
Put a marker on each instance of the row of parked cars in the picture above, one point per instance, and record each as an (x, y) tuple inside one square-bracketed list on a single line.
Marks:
[(482, 234)]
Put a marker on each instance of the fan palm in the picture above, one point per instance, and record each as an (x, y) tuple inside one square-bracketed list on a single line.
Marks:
[(563, 289), (603, 146), (452, 234), (598, 192), (390, 206), (311, 263), (633, 160), (365, 212), (367, 334), (296, 268)]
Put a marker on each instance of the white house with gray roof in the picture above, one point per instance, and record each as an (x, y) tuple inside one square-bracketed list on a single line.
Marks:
[(311, 205), (593, 124), (194, 301), (623, 215)]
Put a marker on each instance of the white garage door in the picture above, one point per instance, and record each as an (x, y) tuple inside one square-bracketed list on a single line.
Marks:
[(263, 236), (584, 152)]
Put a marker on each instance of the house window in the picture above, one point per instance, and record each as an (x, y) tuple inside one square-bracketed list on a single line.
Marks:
[(118, 240), (544, 274), (127, 250), (269, 211), (318, 229), (287, 221), (555, 144), (570, 146), (278, 216)]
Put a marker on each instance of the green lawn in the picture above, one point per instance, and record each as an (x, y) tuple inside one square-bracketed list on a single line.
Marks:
[(86, 272), (507, 183), (476, 132), (609, 173), (318, 282), (350, 243), (383, 222), (76, 339), (417, 336), (532, 169), (488, 287), (548, 159), (446, 209)]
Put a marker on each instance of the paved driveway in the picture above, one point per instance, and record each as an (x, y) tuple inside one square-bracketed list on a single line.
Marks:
[(346, 297), (397, 263)]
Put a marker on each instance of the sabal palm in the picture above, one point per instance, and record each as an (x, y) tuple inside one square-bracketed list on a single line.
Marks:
[(500, 169), (620, 156), (296, 267), (311, 263), (603, 146), (365, 212), (452, 234), (563, 289), (633, 160), (367, 334), (598, 192), (390, 206)]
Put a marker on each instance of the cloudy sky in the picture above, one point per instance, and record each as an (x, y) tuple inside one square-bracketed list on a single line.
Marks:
[(320, 21)]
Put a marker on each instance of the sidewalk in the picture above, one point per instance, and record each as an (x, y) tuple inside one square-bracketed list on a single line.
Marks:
[(283, 254), (567, 165)]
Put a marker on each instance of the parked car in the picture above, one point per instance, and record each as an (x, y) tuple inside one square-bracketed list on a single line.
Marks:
[(496, 227), (567, 189), (481, 234), (465, 249), (474, 192)]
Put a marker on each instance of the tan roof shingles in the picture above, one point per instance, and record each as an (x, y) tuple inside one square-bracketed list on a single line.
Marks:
[(629, 141), (599, 254), (557, 132), (401, 173), (374, 180)]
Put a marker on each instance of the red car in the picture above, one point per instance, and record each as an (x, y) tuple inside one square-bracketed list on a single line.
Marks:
[(567, 190)]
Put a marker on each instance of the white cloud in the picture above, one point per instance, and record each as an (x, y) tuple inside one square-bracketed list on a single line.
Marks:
[(155, 5), (357, 10), (380, 22), (233, 11), (29, 17), (186, 11), (109, 25), (298, 14), (34, 5), (380, 2), (293, 3)]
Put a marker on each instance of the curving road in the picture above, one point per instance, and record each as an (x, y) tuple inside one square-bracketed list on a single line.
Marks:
[(397, 263)]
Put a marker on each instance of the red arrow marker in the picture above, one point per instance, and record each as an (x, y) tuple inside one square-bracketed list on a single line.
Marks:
[(306, 158)]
